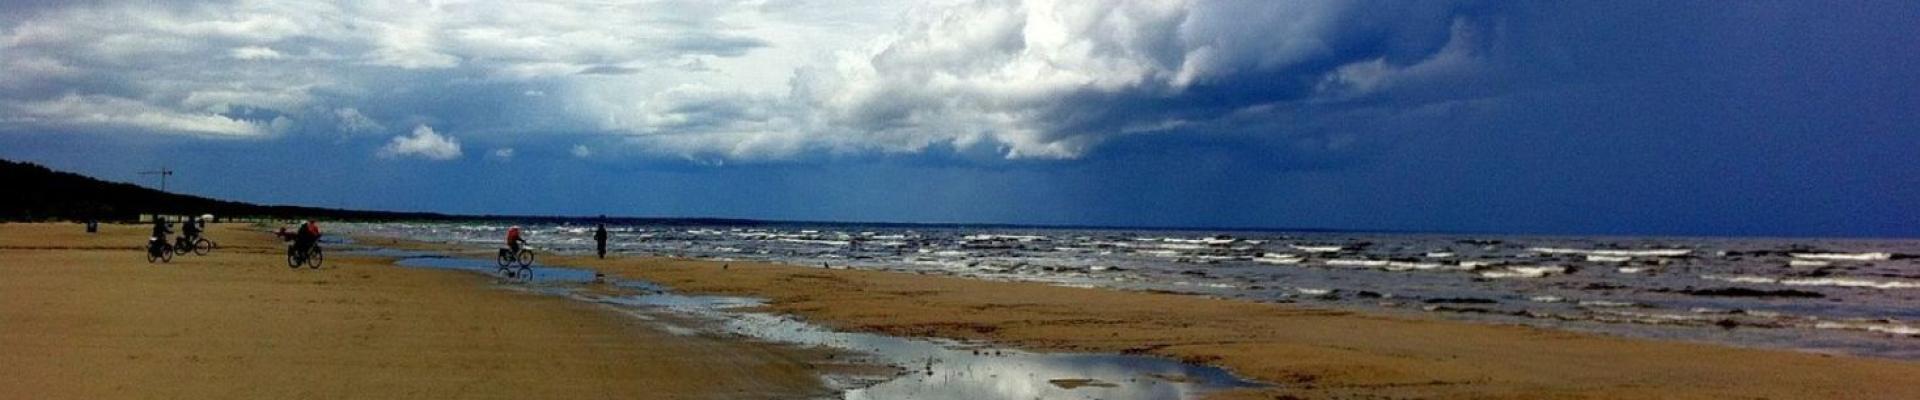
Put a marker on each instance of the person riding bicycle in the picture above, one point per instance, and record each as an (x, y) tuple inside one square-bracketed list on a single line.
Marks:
[(161, 230), (305, 237), (190, 230), (514, 241)]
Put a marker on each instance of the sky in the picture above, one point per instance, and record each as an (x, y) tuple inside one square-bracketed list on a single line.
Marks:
[(1751, 118)]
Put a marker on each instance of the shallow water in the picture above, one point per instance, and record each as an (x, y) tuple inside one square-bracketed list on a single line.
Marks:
[(1848, 296), (541, 274), (950, 370), (934, 369)]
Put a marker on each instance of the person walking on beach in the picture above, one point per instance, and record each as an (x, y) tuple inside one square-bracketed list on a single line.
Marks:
[(600, 240)]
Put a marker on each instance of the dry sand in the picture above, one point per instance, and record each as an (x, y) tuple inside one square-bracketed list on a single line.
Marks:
[(1305, 352), (85, 316)]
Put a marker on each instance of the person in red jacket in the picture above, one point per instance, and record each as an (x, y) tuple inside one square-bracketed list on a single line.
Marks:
[(306, 236), (514, 240)]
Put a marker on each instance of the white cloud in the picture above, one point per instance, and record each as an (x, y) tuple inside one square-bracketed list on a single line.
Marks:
[(256, 53), (1050, 79), (1053, 79), (308, 59), (581, 151), (504, 153), (761, 80), (423, 143), (107, 113), (351, 121)]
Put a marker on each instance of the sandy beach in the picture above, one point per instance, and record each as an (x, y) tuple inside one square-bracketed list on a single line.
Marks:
[(84, 316), (1303, 352)]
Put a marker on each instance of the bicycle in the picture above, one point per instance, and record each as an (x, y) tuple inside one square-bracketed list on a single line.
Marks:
[(199, 246), (312, 257), (159, 250), (515, 264)]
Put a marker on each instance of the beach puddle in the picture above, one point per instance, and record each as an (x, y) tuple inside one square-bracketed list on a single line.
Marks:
[(387, 253), (941, 369), (540, 273), (926, 368)]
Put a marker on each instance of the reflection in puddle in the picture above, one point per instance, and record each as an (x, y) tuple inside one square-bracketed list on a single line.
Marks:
[(387, 253), (540, 273), (938, 369)]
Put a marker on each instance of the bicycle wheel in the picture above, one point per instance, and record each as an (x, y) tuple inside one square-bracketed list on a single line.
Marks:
[(526, 257), (166, 255), (152, 254), (502, 259), (202, 246), (315, 258), (293, 258), (181, 246)]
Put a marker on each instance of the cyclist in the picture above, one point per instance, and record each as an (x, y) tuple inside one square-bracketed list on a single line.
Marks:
[(514, 240), (304, 238), (161, 230), (190, 229)]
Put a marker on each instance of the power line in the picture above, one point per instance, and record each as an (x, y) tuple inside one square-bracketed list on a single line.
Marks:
[(163, 172)]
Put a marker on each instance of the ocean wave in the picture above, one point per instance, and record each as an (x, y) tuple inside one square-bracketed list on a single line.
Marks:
[(1524, 272), (1613, 253), (1317, 249), (1276, 258), (1844, 256), (1808, 263), (1338, 262), (1892, 328), (1608, 259), (1825, 281)]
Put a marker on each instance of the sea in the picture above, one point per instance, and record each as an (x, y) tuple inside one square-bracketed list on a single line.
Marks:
[(1843, 296)]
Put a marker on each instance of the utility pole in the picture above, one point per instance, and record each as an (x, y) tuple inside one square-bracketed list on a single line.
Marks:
[(163, 172)]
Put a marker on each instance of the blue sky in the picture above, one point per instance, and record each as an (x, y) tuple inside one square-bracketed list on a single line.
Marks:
[(1673, 118)]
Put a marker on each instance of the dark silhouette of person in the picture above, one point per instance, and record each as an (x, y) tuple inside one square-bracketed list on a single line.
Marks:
[(305, 237), (158, 240), (600, 239), (190, 229), (160, 228)]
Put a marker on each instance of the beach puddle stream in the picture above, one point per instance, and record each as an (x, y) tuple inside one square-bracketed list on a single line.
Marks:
[(928, 368), (941, 369)]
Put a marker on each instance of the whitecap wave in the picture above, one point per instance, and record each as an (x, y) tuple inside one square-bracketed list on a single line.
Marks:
[(1614, 253), (1826, 281), (1524, 272), (1317, 249), (1844, 256)]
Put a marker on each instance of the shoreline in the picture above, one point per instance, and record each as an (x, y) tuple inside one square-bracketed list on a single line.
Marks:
[(1303, 351)]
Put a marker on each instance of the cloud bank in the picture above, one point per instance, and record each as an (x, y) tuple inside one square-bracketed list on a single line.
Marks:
[(766, 80)]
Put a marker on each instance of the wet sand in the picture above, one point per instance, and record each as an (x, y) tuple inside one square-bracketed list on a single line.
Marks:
[(1305, 352), (85, 316)]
